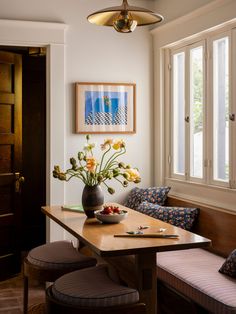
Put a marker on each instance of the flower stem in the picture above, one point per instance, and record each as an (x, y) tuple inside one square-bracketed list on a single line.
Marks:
[(113, 157), (103, 158)]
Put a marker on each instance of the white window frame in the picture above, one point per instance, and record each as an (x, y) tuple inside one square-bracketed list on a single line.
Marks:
[(174, 175), (210, 154), (206, 41), (233, 108)]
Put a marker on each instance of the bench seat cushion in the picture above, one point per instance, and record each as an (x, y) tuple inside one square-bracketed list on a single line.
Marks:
[(92, 287), (194, 273)]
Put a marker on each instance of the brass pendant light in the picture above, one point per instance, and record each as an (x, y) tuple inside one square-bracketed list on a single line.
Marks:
[(124, 18)]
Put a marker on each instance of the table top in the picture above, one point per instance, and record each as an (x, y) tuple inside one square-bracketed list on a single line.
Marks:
[(100, 237)]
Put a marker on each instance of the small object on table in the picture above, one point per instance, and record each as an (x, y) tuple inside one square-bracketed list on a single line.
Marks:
[(147, 235), (134, 232), (73, 208), (143, 227), (111, 214)]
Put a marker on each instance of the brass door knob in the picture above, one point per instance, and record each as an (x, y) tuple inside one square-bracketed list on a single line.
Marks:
[(18, 182)]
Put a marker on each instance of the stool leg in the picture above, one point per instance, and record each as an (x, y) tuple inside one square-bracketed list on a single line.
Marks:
[(26, 291)]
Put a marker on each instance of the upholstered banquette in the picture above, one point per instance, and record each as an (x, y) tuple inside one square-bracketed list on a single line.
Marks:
[(189, 281)]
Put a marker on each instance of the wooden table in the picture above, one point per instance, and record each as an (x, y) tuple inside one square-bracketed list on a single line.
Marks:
[(142, 251)]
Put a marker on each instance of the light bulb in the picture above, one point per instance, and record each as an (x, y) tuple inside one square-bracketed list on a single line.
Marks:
[(124, 23)]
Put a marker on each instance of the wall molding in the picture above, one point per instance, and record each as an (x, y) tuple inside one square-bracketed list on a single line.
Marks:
[(189, 16)]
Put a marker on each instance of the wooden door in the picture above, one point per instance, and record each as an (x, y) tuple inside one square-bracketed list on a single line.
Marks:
[(10, 162)]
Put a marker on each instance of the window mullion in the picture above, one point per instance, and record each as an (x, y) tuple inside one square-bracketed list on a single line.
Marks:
[(233, 110), (168, 113), (205, 114), (187, 115), (208, 161)]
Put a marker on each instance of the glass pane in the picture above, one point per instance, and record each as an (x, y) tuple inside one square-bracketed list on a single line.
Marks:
[(221, 109), (196, 112), (178, 113)]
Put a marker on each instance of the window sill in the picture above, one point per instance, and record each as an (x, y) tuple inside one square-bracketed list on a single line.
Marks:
[(217, 196)]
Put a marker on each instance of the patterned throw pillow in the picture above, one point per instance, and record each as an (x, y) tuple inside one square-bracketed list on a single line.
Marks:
[(229, 266), (178, 216), (134, 199), (156, 195)]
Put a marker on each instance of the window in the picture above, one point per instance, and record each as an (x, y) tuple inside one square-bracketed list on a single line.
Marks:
[(221, 109), (178, 112), (196, 111), (202, 119)]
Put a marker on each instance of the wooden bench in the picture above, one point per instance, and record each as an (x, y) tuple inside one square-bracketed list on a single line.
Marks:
[(175, 289), (214, 223)]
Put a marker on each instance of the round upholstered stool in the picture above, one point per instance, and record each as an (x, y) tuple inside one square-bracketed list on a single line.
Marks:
[(91, 291), (50, 261)]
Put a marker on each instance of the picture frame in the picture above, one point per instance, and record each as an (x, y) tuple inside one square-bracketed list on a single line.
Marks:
[(105, 108)]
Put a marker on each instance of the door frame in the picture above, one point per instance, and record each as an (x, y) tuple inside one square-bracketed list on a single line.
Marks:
[(51, 36)]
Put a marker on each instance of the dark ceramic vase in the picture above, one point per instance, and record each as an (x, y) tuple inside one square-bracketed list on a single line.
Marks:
[(92, 199)]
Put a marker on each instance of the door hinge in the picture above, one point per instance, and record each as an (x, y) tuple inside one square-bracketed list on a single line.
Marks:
[(169, 159), (169, 66)]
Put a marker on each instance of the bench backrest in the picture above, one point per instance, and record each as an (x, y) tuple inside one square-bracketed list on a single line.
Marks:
[(213, 223)]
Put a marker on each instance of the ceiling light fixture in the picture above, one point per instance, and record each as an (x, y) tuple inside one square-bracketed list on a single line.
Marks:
[(124, 18)]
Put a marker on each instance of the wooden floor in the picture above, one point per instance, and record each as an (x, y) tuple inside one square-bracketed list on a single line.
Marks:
[(11, 295)]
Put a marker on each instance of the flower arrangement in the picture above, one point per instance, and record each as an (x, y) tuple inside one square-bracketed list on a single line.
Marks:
[(92, 172)]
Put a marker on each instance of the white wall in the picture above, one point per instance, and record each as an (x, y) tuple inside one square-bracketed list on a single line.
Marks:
[(172, 9), (98, 54)]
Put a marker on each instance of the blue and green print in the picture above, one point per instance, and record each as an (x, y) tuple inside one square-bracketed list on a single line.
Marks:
[(105, 108)]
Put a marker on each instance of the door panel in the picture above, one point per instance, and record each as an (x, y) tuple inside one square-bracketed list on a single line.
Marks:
[(5, 119), (10, 161), (5, 158), (6, 77), (5, 200)]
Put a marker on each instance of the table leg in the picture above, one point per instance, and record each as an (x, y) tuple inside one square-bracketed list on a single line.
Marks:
[(139, 272), (145, 267)]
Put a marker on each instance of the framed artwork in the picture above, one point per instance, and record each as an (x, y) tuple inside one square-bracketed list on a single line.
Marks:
[(105, 108)]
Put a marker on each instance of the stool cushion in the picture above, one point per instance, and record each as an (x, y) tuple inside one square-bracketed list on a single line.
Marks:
[(92, 287), (59, 255)]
